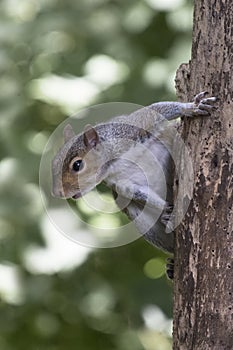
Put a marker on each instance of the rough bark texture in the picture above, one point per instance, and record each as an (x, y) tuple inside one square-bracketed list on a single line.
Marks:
[(203, 285)]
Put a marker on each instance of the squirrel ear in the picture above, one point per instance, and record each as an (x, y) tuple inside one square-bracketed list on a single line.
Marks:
[(90, 136), (68, 133)]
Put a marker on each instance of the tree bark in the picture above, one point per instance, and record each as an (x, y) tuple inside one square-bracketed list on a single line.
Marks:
[(203, 281)]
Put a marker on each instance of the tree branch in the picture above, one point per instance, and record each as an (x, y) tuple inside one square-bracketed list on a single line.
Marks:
[(203, 285)]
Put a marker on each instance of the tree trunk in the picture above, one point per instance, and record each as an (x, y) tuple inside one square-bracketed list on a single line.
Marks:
[(203, 282)]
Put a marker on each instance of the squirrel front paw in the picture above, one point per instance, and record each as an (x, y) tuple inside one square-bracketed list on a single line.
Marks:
[(167, 218), (203, 105)]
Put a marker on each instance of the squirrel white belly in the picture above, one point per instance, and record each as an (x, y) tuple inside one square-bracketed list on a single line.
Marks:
[(132, 155)]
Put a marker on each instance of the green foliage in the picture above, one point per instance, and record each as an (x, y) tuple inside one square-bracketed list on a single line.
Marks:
[(104, 300)]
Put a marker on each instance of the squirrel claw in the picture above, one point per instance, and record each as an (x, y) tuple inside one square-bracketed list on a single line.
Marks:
[(166, 218), (170, 268), (199, 97), (203, 105)]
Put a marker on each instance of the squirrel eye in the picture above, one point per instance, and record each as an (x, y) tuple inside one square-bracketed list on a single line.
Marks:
[(77, 165)]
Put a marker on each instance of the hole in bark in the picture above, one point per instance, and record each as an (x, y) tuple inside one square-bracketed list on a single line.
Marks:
[(228, 266), (215, 161)]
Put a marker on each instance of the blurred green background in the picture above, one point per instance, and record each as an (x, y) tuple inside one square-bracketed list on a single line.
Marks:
[(56, 58)]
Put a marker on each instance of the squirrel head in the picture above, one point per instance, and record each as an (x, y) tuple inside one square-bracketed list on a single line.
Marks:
[(79, 165)]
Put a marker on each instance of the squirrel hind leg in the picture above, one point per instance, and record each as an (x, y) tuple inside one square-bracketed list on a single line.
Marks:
[(170, 268)]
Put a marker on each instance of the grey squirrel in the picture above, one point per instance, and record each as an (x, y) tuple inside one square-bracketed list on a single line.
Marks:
[(132, 155)]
